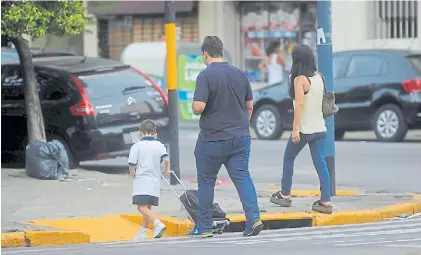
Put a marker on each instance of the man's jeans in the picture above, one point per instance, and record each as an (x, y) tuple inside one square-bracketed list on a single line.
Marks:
[(316, 143), (234, 154)]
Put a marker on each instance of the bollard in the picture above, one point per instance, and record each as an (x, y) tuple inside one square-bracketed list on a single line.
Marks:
[(325, 61), (171, 44)]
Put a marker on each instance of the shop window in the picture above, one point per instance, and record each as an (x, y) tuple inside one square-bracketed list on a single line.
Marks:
[(264, 22)]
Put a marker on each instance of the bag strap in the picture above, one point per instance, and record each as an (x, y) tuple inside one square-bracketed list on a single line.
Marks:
[(324, 82)]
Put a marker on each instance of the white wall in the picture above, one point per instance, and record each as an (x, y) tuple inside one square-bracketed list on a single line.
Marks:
[(352, 24), (220, 18)]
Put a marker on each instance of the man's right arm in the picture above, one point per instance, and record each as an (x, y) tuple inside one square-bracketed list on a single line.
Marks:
[(249, 97), (249, 108)]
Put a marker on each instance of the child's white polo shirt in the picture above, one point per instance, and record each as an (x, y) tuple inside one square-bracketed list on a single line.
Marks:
[(146, 156)]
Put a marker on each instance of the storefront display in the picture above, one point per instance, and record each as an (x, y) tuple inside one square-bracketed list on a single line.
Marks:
[(263, 22)]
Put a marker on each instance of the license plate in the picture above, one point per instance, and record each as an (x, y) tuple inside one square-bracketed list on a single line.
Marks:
[(130, 138)]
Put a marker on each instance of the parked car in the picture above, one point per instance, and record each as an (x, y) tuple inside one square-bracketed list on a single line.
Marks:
[(11, 55), (376, 90), (92, 105)]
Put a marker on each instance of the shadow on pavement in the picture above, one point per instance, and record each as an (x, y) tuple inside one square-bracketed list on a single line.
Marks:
[(112, 169)]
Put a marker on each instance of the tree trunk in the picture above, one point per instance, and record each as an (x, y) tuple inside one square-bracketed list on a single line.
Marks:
[(35, 120)]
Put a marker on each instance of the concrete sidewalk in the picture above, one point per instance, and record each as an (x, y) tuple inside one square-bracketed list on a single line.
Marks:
[(96, 207)]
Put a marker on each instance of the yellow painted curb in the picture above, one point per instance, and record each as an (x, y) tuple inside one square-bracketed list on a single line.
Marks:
[(54, 238), (175, 226), (236, 218), (315, 193), (100, 229), (123, 227), (346, 217), (42, 238), (13, 239)]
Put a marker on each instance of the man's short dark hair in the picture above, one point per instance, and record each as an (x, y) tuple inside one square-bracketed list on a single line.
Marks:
[(147, 127), (213, 46)]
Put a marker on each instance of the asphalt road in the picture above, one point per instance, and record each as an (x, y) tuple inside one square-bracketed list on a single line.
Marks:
[(402, 237), (363, 165)]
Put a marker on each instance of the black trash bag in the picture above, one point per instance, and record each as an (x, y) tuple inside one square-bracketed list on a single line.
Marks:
[(47, 160)]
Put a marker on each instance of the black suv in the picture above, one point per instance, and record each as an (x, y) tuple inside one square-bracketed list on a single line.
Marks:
[(92, 105), (376, 90)]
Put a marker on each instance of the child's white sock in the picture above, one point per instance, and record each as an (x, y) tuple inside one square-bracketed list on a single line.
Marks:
[(142, 229), (157, 223)]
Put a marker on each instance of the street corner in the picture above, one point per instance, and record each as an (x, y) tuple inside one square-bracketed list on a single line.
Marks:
[(314, 193), (107, 228), (13, 239), (55, 238), (175, 226)]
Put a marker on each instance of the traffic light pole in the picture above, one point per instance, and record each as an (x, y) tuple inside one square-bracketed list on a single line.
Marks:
[(325, 61), (171, 42)]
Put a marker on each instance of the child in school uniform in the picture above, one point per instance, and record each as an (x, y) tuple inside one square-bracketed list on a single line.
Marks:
[(145, 159)]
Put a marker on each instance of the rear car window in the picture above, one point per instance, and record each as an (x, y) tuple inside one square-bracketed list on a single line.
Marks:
[(415, 61), (105, 84)]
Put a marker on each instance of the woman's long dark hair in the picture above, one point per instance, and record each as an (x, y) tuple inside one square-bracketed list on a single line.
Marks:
[(303, 63)]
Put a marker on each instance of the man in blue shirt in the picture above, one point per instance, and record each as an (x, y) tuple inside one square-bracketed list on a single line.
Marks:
[(224, 100)]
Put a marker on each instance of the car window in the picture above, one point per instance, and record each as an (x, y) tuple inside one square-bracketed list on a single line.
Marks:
[(7, 57), (415, 61), (51, 87), (12, 85), (113, 83), (366, 65), (338, 62)]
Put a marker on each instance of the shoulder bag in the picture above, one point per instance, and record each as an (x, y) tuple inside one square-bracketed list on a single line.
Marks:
[(329, 107)]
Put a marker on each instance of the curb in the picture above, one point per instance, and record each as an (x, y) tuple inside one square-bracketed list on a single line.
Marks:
[(123, 227), (180, 227), (42, 238), (314, 193)]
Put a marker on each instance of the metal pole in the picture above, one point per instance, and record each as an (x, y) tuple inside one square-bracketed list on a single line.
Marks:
[(325, 61), (170, 37)]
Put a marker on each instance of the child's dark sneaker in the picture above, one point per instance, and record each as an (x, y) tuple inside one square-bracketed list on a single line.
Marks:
[(253, 229)]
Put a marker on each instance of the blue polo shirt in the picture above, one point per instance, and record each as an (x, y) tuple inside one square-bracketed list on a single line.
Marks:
[(225, 90)]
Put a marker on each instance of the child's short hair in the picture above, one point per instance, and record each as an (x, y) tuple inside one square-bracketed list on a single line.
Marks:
[(147, 127)]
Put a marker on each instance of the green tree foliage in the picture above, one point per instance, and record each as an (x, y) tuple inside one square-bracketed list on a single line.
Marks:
[(35, 19), (39, 18)]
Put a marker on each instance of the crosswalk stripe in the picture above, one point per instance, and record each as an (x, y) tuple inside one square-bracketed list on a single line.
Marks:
[(379, 242), (285, 236), (301, 238), (298, 231), (416, 246)]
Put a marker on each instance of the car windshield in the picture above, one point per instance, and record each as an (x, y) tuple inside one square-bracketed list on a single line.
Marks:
[(104, 84)]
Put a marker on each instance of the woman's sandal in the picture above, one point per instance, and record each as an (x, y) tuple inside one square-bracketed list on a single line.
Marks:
[(318, 206), (277, 199)]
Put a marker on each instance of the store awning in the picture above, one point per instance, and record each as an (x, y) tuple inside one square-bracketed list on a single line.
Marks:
[(135, 7)]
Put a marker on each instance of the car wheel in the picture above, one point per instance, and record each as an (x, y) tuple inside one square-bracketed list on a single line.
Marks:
[(267, 123), (389, 123), (73, 162), (339, 134)]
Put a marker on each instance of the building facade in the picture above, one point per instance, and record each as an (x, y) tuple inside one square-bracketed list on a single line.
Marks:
[(246, 27)]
